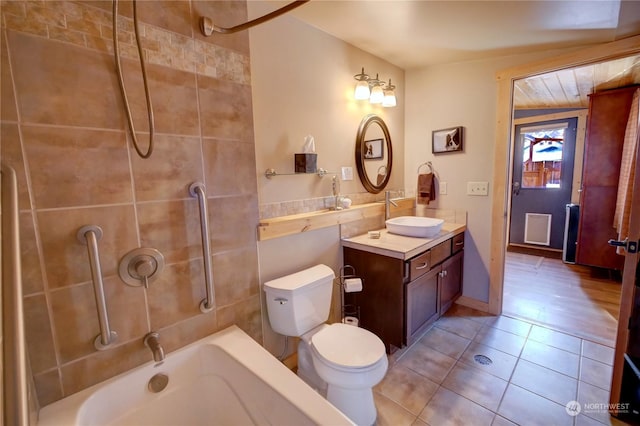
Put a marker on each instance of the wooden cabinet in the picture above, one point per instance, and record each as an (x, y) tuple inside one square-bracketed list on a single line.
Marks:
[(450, 281), (401, 298), (607, 121), (422, 304)]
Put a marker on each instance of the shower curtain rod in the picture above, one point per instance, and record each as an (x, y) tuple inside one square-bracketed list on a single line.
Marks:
[(208, 27)]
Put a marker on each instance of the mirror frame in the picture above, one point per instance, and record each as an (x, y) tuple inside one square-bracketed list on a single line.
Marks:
[(360, 151)]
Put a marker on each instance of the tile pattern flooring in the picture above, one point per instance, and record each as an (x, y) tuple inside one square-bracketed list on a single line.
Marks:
[(534, 373)]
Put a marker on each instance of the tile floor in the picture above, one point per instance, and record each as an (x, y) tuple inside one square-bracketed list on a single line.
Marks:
[(532, 374)]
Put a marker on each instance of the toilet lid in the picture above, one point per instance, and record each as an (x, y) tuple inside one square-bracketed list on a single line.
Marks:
[(348, 346)]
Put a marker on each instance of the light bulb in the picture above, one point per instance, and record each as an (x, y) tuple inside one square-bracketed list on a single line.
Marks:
[(362, 90), (377, 95), (389, 98)]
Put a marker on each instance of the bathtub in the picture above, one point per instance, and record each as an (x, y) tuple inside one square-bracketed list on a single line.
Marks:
[(224, 379)]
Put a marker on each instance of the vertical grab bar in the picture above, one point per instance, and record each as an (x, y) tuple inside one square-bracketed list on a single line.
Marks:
[(197, 190), (15, 388), (90, 235)]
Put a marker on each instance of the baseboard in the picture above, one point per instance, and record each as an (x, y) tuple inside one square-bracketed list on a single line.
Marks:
[(291, 362), (535, 251), (473, 303)]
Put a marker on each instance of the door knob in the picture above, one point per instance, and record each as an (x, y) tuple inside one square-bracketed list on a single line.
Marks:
[(629, 246)]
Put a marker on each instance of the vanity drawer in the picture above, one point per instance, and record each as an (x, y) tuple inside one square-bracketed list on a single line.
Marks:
[(457, 243), (419, 265), (440, 252)]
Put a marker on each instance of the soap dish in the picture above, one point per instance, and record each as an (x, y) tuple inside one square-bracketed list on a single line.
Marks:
[(374, 234)]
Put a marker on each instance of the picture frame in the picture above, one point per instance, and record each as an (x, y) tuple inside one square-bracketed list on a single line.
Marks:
[(447, 140), (373, 149)]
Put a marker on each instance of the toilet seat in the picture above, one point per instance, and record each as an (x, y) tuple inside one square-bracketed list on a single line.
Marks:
[(347, 347)]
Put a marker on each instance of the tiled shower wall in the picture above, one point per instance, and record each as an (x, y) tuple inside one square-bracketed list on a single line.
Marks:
[(64, 131)]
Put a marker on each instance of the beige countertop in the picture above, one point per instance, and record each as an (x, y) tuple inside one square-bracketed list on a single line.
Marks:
[(399, 246)]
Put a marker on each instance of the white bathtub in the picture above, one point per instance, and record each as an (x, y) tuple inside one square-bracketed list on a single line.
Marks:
[(224, 379)]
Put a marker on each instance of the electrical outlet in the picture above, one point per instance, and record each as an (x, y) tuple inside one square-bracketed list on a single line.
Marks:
[(443, 188), (477, 188), (347, 173)]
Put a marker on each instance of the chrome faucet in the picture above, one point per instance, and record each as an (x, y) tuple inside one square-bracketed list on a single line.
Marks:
[(152, 341), (387, 205), (335, 186)]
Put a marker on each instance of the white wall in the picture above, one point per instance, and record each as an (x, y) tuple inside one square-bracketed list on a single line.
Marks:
[(302, 83), (460, 94)]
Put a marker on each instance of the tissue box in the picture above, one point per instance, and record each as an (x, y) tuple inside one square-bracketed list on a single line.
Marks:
[(306, 163)]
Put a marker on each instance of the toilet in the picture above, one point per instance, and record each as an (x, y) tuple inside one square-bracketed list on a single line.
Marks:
[(342, 362)]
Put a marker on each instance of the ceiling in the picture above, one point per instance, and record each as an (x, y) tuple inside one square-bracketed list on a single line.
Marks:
[(570, 88), (420, 33)]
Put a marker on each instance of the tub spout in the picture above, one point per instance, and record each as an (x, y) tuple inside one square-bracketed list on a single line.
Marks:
[(152, 341)]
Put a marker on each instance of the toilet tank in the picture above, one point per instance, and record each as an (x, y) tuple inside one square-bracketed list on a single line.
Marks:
[(298, 302)]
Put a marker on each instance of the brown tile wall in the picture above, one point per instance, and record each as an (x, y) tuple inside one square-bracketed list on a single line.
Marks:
[(64, 131)]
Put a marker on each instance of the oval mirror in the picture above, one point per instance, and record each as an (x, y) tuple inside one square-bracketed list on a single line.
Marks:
[(374, 155)]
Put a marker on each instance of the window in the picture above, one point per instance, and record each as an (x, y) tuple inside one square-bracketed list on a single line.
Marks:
[(542, 155)]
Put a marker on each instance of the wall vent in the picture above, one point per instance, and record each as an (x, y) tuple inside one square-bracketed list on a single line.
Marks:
[(537, 229)]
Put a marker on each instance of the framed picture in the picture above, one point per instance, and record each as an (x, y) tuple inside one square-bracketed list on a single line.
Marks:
[(447, 140), (373, 149)]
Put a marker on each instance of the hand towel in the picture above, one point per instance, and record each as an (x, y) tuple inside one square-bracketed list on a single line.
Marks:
[(426, 188)]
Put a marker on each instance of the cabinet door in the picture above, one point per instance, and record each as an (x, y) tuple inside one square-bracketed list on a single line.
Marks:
[(451, 281), (422, 303), (608, 115)]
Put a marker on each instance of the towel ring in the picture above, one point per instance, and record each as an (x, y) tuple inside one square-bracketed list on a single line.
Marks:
[(428, 164), (431, 169)]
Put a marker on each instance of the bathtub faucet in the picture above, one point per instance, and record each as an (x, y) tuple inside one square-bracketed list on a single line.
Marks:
[(152, 341)]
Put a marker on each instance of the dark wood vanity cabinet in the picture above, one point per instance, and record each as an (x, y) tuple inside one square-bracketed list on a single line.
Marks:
[(401, 298), (381, 301)]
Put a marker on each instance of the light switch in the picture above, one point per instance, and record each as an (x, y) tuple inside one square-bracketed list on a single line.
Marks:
[(347, 173), (478, 188), (443, 188)]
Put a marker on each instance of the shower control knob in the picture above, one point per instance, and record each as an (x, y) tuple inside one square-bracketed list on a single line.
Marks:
[(145, 266), (141, 266)]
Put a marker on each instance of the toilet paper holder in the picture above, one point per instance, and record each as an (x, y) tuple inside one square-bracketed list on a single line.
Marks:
[(349, 311)]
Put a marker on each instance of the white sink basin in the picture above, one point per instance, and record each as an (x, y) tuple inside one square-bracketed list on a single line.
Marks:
[(415, 226)]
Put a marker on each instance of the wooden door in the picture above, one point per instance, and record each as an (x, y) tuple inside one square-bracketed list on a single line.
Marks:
[(608, 116), (629, 286)]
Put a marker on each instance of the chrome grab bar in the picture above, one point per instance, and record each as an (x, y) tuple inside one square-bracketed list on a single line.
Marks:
[(15, 387), (196, 189), (90, 235)]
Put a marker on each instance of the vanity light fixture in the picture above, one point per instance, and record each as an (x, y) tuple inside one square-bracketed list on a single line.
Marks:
[(374, 89)]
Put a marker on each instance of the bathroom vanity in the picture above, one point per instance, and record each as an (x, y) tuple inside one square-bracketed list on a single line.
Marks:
[(407, 282)]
